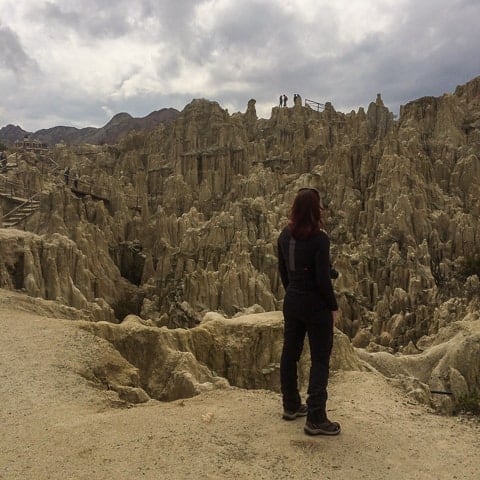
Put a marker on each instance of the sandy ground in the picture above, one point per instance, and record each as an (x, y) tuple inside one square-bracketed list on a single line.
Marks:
[(55, 425)]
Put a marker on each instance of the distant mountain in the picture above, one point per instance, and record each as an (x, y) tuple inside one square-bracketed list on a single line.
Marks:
[(10, 133), (116, 128)]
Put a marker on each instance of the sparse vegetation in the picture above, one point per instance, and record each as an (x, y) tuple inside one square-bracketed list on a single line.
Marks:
[(470, 266), (470, 403)]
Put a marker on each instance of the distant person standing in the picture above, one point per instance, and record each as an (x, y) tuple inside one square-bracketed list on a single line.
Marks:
[(66, 175), (285, 98), (75, 180), (3, 161), (281, 101), (309, 308)]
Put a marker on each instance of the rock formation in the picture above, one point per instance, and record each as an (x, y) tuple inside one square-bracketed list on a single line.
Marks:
[(172, 223), (449, 366), (54, 269), (242, 352)]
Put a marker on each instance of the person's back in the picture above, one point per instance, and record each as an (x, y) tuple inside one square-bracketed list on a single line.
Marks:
[(309, 307), (306, 266)]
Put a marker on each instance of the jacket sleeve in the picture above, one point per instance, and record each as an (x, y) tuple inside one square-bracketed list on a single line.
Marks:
[(322, 273), (282, 267)]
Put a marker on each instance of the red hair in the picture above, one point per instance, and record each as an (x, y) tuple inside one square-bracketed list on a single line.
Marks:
[(305, 217)]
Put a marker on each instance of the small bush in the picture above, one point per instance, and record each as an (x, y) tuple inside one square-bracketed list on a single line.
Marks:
[(470, 403)]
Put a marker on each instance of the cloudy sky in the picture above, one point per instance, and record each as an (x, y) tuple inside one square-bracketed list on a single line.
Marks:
[(78, 62)]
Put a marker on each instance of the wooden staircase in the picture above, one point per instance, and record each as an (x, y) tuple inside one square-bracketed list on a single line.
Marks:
[(24, 201), (20, 213)]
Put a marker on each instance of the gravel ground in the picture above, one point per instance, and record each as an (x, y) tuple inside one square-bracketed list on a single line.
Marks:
[(57, 425)]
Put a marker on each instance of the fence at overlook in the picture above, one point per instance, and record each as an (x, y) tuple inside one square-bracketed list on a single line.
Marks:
[(314, 105)]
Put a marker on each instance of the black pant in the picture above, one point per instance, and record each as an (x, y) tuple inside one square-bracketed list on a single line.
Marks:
[(304, 313)]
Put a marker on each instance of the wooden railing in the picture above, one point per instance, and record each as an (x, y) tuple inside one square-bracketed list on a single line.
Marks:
[(15, 189), (28, 201), (102, 192), (89, 188), (53, 163)]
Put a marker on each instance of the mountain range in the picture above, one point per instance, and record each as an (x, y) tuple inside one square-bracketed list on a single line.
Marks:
[(117, 127)]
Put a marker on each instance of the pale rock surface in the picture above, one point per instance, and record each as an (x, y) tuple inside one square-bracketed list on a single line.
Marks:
[(243, 352), (449, 362), (53, 269)]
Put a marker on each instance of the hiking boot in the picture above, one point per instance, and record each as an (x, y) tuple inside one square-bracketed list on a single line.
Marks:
[(300, 412), (325, 428)]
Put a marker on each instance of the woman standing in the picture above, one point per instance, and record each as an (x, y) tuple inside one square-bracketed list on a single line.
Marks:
[(309, 307)]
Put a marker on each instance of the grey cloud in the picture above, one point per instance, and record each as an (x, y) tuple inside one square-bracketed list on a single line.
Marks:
[(429, 53), (243, 29), (95, 19), (429, 50), (63, 107), (170, 22), (167, 65), (164, 21), (406, 62), (254, 30), (260, 44), (253, 24), (12, 54)]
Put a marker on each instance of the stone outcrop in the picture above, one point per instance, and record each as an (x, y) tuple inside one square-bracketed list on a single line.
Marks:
[(449, 366), (54, 268), (242, 352)]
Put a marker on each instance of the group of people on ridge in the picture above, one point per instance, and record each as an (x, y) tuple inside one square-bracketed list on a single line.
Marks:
[(283, 99)]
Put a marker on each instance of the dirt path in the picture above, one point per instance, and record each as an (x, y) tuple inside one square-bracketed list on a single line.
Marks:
[(55, 425)]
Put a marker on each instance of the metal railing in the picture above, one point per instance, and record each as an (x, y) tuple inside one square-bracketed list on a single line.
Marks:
[(315, 105)]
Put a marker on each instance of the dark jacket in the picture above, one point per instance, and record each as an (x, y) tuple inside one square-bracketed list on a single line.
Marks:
[(304, 266)]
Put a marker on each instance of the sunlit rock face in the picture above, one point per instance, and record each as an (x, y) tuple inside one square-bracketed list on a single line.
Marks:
[(185, 219), (53, 268)]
